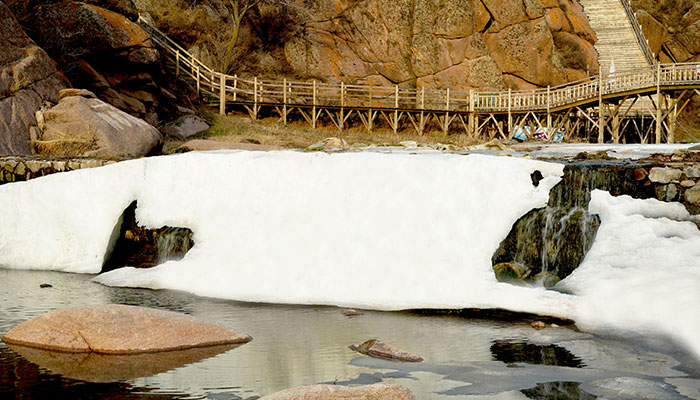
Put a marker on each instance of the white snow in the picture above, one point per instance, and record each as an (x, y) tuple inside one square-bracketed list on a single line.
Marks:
[(642, 272), (379, 231)]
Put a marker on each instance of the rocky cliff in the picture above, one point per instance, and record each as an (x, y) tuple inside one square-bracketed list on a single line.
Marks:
[(459, 44), (28, 81), (673, 30)]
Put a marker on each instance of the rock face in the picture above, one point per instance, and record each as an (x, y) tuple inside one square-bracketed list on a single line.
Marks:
[(673, 30), (103, 51), (119, 329), (379, 349), (85, 126), (445, 43), (209, 145), (378, 391), (28, 80)]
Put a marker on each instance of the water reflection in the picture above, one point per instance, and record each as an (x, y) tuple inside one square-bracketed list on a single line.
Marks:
[(523, 352), (558, 391), (93, 367)]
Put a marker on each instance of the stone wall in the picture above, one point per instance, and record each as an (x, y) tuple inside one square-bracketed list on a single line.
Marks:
[(19, 168)]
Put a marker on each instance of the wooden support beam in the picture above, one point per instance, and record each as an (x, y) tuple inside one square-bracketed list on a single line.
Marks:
[(199, 87), (601, 123), (510, 115), (395, 125), (284, 101), (446, 124), (222, 94), (314, 115), (341, 119), (658, 103)]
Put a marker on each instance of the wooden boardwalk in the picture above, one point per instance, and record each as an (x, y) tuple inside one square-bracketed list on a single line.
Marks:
[(603, 105)]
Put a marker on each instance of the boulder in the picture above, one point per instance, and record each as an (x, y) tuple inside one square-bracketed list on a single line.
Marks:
[(664, 174), (692, 172), (210, 145), (82, 126), (379, 349), (119, 329), (28, 80), (329, 144), (185, 126), (377, 391)]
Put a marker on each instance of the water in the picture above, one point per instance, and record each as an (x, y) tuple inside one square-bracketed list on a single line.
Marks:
[(300, 345)]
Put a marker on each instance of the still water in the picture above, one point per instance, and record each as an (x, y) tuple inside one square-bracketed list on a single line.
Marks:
[(482, 358)]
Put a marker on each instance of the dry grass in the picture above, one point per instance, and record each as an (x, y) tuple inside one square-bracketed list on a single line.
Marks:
[(239, 128)]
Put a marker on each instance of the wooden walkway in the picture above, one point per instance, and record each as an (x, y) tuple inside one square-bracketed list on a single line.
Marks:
[(570, 111)]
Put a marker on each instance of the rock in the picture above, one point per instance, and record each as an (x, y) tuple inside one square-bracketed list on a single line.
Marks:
[(667, 192), (539, 325), (664, 175), (328, 144), (28, 80), (209, 145), (45, 285), (510, 271), (377, 391), (351, 313), (640, 174), (692, 195), (79, 126), (378, 349), (185, 126), (409, 144), (687, 183), (76, 92), (119, 329), (692, 172)]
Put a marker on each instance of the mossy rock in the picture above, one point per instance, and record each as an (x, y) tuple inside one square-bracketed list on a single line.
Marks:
[(508, 271)]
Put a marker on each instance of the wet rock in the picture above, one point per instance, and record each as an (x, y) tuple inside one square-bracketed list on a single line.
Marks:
[(351, 312), (377, 391), (119, 329), (692, 195), (209, 145), (539, 325), (631, 388), (185, 126), (507, 271), (79, 126), (664, 174), (45, 285), (379, 349)]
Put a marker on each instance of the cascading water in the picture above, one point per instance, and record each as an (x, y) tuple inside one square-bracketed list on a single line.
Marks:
[(549, 243)]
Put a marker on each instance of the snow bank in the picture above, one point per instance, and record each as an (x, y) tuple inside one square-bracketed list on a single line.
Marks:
[(642, 273), (384, 231)]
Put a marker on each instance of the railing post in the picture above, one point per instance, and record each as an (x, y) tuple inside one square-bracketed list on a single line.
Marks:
[(222, 94), (396, 108), (672, 123), (177, 62), (510, 115), (313, 110), (341, 123), (199, 88), (284, 99), (422, 110), (255, 97), (445, 126), (549, 112), (472, 110), (601, 120), (235, 88), (370, 113), (658, 103)]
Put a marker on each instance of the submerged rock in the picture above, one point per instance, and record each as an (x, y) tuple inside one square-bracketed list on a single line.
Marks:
[(119, 329), (377, 391), (378, 349), (507, 271)]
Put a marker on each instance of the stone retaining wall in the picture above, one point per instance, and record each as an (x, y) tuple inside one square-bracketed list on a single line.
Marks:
[(20, 168)]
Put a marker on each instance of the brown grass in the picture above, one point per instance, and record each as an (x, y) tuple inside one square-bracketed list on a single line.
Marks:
[(239, 128)]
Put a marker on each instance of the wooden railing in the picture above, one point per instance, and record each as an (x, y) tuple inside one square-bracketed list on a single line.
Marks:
[(258, 92), (637, 28)]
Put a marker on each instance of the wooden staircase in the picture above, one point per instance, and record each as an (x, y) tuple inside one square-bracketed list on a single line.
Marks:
[(617, 38)]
